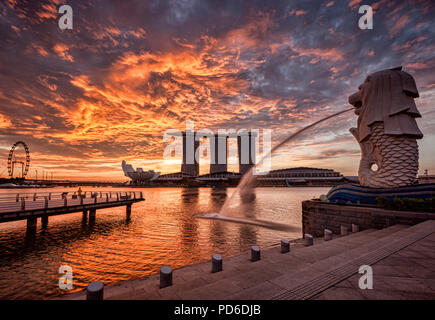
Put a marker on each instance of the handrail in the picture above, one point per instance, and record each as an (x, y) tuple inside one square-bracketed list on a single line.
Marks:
[(29, 201)]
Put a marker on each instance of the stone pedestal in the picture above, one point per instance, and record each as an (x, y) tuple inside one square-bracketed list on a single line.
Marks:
[(216, 263)]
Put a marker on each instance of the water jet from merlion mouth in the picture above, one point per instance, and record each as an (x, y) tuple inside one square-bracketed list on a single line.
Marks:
[(240, 206)]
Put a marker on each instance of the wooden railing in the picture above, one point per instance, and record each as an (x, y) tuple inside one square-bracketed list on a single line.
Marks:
[(43, 200)]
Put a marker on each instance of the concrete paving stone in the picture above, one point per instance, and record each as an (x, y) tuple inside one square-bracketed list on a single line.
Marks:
[(312, 256), (407, 284), (263, 291), (213, 291), (288, 281), (144, 293), (424, 251), (329, 263), (427, 263), (284, 267), (382, 270), (190, 274), (415, 271), (413, 253), (351, 282), (393, 260), (382, 295), (189, 284), (339, 294), (417, 296), (247, 280)]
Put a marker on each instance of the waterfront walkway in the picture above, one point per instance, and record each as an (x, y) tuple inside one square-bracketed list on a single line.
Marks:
[(31, 206), (402, 258)]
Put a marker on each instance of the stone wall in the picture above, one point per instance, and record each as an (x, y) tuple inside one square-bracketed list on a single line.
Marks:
[(317, 216)]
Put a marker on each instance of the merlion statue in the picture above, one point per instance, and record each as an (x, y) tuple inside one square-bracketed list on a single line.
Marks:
[(387, 129)]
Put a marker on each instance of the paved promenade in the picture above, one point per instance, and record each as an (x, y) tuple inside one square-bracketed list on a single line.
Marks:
[(402, 258)]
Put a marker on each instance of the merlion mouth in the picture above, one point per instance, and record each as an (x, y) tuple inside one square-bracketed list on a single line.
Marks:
[(355, 99)]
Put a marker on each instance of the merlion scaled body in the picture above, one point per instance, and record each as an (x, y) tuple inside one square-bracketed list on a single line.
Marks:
[(387, 129)]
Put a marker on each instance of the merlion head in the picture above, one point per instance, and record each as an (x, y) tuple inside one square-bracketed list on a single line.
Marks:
[(387, 96)]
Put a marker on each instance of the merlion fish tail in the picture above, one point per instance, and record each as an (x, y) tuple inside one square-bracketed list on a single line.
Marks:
[(399, 158), (395, 157)]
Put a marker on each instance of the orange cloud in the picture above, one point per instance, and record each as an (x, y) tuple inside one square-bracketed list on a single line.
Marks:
[(353, 3), (48, 12), (399, 25), (35, 48), (332, 54), (418, 65), (5, 122), (62, 52)]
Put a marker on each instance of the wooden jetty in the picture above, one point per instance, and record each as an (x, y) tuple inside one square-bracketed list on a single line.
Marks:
[(31, 206)]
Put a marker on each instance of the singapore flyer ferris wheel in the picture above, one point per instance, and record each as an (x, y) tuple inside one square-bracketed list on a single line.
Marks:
[(12, 161)]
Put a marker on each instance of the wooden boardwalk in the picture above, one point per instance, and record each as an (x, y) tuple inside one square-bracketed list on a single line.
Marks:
[(31, 206)]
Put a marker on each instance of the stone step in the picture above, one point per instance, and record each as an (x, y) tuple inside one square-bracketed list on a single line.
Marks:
[(273, 276), (324, 274), (240, 274), (255, 280)]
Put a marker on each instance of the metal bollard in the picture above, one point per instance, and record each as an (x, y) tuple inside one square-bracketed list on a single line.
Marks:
[(255, 253), (95, 291), (343, 230), (165, 276), (327, 235), (216, 263), (355, 228), (308, 240), (285, 246)]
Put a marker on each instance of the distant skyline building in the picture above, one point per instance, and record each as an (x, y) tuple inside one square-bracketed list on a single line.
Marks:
[(218, 153), (246, 150), (190, 165)]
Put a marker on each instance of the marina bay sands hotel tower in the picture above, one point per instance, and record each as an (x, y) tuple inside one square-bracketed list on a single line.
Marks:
[(219, 152)]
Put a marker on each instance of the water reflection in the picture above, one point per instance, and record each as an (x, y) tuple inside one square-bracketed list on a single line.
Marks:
[(24, 243), (248, 235), (218, 235), (162, 230)]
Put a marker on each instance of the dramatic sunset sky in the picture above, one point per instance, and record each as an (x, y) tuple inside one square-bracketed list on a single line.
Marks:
[(87, 98)]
